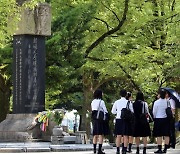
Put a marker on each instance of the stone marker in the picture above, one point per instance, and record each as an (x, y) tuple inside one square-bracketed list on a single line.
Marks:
[(28, 73)]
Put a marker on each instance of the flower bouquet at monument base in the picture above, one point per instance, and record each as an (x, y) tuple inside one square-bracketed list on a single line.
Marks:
[(43, 118)]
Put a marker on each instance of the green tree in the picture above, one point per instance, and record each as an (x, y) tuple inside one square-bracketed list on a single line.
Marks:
[(5, 82), (115, 45)]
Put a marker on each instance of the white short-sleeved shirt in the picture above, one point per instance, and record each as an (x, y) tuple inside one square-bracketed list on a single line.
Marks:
[(95, 105), (172, 102), (119, 105), (146, 107), (159, 108)]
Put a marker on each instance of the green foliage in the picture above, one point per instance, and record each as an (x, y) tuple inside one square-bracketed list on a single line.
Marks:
[(65, 54), (143, 52), (58, 117), (8, 12), (142, 55)]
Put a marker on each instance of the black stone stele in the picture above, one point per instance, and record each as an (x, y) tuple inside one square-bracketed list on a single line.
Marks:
[(28, 73)]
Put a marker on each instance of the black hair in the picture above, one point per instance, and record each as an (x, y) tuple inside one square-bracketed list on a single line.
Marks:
[(128, 95), (123, 93), (162, 94), (140, 96), (98, 94), (167, 92)]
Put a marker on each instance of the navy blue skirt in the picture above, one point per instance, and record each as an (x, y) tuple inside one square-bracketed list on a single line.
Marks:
[(100, 127), (141, 130), (161, 127), (123, 128)]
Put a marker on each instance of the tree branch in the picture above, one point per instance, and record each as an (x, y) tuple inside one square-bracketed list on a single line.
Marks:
[(173, 5), (103, 22), (129, 77), (122, 68), (111, 11), (2, 84), (104, 81), (103, 36), (98, 59)]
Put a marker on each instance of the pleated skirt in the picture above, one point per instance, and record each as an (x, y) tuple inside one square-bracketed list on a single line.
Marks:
[(161, 127), (123, 128), (141, 130), (100, 127)]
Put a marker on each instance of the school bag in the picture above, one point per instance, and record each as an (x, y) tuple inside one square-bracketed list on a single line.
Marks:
[(143, 115), (126, 113), (169, 111)]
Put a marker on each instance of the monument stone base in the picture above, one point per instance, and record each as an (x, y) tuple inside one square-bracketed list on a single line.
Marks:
[(14, 128), (57, 140)]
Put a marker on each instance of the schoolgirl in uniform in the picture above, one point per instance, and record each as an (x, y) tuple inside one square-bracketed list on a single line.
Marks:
[(131, 126), (140, 129), (98, 125), (161, 122), (172, 137), (121, 127)]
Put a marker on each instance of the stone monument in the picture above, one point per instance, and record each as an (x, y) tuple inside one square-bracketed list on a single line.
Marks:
[(28, 73)]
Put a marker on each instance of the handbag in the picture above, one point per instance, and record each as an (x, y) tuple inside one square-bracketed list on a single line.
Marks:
[(126, 113), (143, 115), (169, 111)]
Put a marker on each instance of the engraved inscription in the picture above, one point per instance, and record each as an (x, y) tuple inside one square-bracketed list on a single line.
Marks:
[(29, 64), (35, 69), (20, 76), (29, 73)]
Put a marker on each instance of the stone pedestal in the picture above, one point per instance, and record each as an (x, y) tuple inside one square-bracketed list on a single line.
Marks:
[(19, 128), (57, 140), (57, 131), (14, 128), (81, 137)]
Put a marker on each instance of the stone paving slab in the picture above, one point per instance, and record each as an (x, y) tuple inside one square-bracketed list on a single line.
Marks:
[(13, 150), (48, 147), (45, 147), (38, 150)]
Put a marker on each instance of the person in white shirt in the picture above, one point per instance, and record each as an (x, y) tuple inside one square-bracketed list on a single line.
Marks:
[(161, 122), (98, 125), (121, 126), (172, 136)]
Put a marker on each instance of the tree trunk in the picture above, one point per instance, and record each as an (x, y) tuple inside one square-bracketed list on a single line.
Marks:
[(5, 93), (86, 108)]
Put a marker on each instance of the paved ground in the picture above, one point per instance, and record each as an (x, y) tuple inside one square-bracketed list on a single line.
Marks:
[(47, 147), (107, 151)]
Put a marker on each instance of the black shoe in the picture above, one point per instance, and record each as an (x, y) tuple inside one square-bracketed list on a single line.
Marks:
[(137, 152), (129, 151), (164, 151), (158, 151), (94, 152), (100, 152), (117, 152)]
